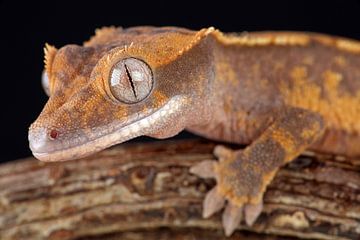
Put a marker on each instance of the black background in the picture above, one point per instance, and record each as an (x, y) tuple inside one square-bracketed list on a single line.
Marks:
[(26, 26)]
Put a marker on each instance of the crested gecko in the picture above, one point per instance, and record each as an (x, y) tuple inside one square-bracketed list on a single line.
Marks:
[(277, 92)]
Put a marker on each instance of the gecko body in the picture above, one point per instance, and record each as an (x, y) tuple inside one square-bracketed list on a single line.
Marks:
[(278, 92)]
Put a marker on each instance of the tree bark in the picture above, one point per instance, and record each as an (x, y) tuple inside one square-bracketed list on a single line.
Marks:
[(145, 191)]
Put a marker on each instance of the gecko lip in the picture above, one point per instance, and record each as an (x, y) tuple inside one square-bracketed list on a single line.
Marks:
[(39, 142)]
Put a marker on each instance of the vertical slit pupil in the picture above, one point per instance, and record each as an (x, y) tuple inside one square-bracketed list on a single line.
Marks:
[(130, 79)]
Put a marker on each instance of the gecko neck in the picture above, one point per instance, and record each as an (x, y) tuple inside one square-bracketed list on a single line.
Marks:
[(233, 98)]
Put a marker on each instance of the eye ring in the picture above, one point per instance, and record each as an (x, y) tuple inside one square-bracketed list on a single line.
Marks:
[(131, 80)]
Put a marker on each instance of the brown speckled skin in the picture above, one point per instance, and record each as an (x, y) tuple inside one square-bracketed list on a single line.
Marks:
[(81, 107), (254, 82), (280, 92)]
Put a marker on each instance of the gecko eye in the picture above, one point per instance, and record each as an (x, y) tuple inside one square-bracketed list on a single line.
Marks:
[(131, 80), (45, 83)]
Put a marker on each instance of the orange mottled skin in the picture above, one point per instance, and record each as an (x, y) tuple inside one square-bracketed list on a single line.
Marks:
[(278, 92)]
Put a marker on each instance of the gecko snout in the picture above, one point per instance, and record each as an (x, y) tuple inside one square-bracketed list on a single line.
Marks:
[(43, 140)]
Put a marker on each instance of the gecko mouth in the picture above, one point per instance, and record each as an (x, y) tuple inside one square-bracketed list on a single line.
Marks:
[(146, 125)]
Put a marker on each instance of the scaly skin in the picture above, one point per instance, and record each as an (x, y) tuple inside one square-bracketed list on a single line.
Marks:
[(281, 93)]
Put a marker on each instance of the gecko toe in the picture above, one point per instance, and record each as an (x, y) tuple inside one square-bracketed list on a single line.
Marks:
[(230, 189), (231, 218), (204, 169), (252, 212), (213, 202), (222, 152)]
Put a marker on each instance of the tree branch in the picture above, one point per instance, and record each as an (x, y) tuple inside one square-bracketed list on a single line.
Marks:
[(145, 191)]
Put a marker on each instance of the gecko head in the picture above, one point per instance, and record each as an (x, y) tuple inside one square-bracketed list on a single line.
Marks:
[(122, 84)]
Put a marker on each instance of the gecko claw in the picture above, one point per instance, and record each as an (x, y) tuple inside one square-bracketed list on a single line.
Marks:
[(252, 212), (204, 169), (239, 204), (231, 218), (213, 202)]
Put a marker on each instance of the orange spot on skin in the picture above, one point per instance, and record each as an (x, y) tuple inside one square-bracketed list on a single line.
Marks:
[(299, 72), (340, 109), (227, 73), (279, 65), (286, 141), (301, 94), (308, 60), (308, 133), (331, 83), (160, 99), (340, 61)]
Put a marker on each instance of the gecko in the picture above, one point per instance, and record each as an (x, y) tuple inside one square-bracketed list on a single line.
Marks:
[(278, 93)]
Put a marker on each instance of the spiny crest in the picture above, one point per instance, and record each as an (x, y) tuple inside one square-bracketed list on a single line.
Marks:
[(197, 38), (102, 35), (49, 52), (262, 39)]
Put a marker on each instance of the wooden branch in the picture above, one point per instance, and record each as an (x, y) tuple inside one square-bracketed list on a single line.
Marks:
[(145, 191)]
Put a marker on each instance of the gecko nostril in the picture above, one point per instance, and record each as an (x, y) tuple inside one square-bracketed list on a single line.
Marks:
[(53, 134)]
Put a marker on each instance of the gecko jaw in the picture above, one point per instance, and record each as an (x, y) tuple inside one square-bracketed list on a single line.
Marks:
[(144, 126)]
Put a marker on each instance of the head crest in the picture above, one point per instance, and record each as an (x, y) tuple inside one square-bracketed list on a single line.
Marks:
[(49, 52)]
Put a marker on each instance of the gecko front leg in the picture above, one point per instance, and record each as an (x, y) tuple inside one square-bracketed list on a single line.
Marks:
[(242, 175)]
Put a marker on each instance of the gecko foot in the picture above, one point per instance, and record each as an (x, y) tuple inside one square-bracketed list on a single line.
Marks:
[(239, 187)]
